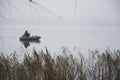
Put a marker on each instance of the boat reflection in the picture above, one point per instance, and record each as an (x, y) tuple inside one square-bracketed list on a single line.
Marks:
[(26, 43)]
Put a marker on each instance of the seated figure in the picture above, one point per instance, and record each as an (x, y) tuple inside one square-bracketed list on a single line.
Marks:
[(30, 0), (26, 34)]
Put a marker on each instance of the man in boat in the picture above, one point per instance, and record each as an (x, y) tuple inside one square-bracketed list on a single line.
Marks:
[(26, 34), (30, 0)]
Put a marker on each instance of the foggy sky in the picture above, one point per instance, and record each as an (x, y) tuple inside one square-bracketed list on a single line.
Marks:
[(73, 15), (80, 12)]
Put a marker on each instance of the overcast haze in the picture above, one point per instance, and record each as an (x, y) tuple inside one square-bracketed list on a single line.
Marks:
[(87, 24), (82, 12)]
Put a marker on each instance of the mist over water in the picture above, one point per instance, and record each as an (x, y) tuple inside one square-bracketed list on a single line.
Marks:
[(62, 23), (84, 38)]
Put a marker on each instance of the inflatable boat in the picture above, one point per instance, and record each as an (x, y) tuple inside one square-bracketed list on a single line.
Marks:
[(31, 38)]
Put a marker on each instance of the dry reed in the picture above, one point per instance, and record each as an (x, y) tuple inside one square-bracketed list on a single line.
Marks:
[(42, 66)]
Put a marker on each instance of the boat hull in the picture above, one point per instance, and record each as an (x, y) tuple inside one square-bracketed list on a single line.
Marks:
[(32, 38)]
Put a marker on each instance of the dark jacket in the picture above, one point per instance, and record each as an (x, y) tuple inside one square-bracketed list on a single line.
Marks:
[(26, 34)]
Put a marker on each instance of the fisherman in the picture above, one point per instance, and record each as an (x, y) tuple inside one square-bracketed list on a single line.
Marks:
[(26, 34), (30, 0)]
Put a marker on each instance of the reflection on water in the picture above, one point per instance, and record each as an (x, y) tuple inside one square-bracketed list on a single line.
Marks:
[(26, 43)]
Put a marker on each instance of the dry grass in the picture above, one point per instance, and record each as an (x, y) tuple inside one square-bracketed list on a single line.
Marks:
[(42, 66)]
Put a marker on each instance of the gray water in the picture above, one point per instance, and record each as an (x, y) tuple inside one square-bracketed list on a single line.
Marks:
[(55, 37)]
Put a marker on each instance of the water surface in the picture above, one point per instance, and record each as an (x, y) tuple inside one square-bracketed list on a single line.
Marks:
[(55, 37)]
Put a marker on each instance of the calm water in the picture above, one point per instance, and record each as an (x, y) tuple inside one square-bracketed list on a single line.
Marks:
[(56, 37)]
